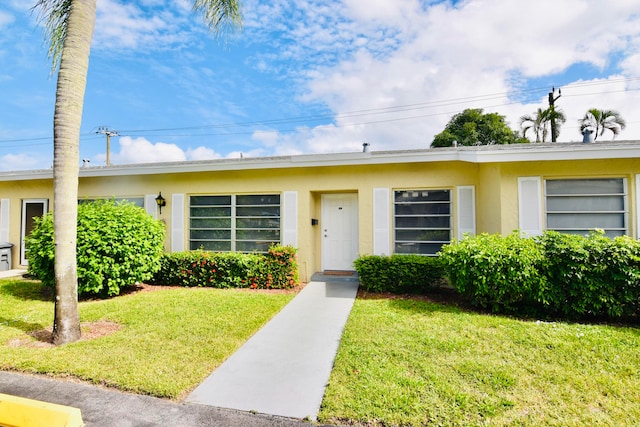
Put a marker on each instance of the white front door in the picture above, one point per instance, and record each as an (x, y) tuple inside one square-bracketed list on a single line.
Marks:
[(339, 231), (30, 209)]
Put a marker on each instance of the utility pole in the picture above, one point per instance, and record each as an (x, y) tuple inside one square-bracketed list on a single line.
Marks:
[(552, 99), (109, 133)]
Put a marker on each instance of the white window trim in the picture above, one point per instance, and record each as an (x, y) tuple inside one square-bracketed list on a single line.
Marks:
[(530, 210), (381, 221), (5, 212), (177, 223), (466, 210), (637, 197), (289, 220)]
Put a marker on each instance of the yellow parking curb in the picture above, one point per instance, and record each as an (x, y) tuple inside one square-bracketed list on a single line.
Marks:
[(21, 412)]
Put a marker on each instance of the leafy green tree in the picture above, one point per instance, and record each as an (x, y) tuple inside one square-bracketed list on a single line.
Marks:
[(69, 26), (540, 121), (599, 121), (473, 127)]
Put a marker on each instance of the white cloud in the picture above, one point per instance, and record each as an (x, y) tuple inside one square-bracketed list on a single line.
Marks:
[(371, 56), (5, 19), (268, 138), (201, 153), (141, 150), (14, 162), (127, 26)]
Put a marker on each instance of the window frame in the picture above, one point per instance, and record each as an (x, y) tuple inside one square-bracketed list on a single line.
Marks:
[(234, 218), (609, 231), (449, 215)]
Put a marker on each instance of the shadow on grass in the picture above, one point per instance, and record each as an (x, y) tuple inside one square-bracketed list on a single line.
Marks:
[(448, 300), (36, 330), (438, 299), (27, 290)]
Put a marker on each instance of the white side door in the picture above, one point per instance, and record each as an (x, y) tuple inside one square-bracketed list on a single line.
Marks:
[(31, 208), (339, 231)]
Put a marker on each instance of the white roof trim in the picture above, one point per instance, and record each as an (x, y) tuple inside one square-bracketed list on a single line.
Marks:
[(477, 154)]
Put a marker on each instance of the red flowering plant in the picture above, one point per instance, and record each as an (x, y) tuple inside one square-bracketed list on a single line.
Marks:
[(277, 269)]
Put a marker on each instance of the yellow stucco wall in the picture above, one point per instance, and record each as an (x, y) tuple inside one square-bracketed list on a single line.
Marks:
[(611, 168), (496, 194), (309, 183)]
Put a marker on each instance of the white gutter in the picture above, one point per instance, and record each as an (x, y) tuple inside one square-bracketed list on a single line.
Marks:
[(480, 154)]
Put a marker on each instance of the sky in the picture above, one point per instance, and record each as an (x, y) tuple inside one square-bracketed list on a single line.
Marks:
[(315, 76)]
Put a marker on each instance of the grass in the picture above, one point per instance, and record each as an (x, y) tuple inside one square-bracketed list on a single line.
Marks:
[(401, 362), (406, 362), (169, 340)]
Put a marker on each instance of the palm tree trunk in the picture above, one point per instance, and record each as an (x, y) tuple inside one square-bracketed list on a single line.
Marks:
[(72, 77)]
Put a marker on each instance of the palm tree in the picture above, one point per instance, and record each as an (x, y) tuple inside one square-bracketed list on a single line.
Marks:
[(536, 123), (600, 120), (556, 118), (540, 121), (69, 28)]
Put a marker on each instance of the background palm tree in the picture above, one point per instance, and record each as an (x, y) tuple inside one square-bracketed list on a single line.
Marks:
[(556, 119), (69, 26), (540, 121), (537, 123), (601, 120)]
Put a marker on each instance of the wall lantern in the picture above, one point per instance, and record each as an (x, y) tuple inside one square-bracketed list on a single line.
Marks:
[(160, 201)]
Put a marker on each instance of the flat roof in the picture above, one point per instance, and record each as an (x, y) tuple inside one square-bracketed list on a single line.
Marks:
[(474, 154)]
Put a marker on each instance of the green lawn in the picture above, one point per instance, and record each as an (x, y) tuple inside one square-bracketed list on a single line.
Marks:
[(400, 362), (406, 362), (169, 340)]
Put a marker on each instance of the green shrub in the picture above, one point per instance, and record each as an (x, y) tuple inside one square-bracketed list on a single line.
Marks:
[(398, 273), (498, 272), (593, 275), (277, 269), (621, 295), (118, 244), (554, 274), (567, 268)]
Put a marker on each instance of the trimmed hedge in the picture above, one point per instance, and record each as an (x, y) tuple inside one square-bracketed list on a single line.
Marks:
[(277, 269), (556, 274), (495, 271), (118, 244), (592, 276), (398, 273)]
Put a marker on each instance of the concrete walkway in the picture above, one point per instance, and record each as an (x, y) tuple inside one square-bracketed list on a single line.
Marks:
[(284, 368), (4, 274)]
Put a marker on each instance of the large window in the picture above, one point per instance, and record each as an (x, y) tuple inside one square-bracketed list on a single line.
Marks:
[(578, 206), (422, 221), (243, 223)]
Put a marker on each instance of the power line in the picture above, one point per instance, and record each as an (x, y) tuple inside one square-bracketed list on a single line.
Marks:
[(108, 133), (340, 116)]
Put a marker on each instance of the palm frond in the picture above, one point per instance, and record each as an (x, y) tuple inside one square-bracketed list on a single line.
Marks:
[(54, 15), (600, 121), (219, 15)]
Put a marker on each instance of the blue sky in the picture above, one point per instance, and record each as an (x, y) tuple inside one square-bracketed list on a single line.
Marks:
[(316, 76)]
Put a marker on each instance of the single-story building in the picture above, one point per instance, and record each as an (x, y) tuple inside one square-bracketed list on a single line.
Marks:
[(334, 207)]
